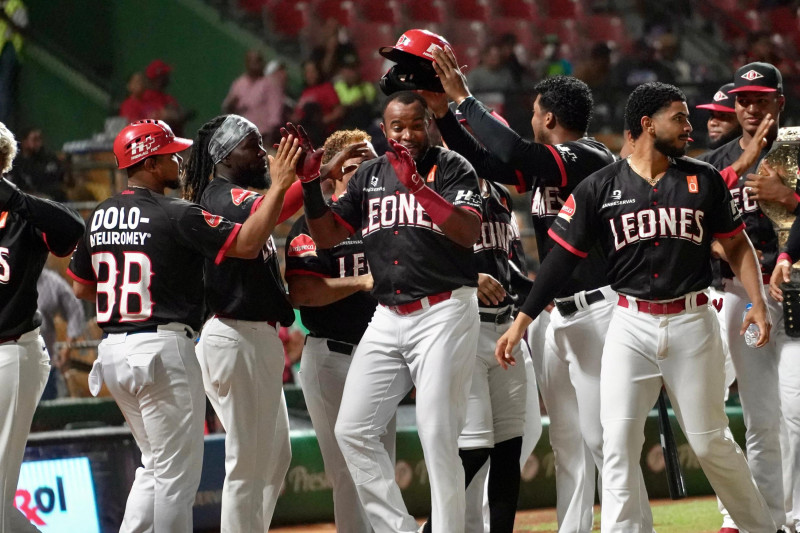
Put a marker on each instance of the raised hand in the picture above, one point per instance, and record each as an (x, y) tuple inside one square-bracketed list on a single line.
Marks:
[(453, 80), (282, 166), (404, 166), (335, 169), (310, 160)]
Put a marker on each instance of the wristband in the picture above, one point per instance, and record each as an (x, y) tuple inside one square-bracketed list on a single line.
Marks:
[(437, 207), (315, 204), (785, 257)]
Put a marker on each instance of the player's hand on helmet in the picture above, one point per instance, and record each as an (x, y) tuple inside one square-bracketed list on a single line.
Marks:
[(490, 291), (282, 166), (437, 102), (336, 170), (768, 188), (308, 165), (404, 166), (453, 80), (781, 274), (759, 316)]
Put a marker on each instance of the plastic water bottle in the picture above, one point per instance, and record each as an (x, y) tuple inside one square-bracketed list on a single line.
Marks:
[(751, 334)]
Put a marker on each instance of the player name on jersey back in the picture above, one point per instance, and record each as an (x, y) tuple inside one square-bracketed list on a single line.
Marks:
[(117, 226)]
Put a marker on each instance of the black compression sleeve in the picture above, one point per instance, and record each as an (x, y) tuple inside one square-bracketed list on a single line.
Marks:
[(61, 226), (554, 272), (793, 243), (487, 165), (313, 200), (502, 141)]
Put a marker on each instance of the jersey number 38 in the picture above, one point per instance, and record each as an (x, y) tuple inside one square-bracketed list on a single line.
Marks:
[(135, 302)]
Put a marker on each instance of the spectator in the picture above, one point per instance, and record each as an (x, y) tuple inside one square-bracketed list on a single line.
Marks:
[(257, 97), (164, 106), (492, 75), (335, 47), (13, 20), (509, 50), (318, 110), (356, 95), (37, 170), (642, 67), (135, 107), (667, 50), (56, 298), (551, 62)]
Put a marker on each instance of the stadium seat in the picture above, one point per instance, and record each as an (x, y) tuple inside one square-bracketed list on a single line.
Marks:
[(426, 11), (608, 28), (385, 12), (340, 10), (468, 33), (479, 10), (287, 17), (564, 9), (784, 20), (522, 9)]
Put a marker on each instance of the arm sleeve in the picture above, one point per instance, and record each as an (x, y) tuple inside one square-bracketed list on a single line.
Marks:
[(793, 244), (60, 226), (504, 142), (292, 202), (486, 164), (554, 272)]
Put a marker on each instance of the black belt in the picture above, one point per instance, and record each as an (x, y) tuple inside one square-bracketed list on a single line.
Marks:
[(497, 318), (341, 347), (150, 329), (567, 306)]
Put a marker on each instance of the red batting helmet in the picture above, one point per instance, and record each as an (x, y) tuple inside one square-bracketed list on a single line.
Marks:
[(145, 138), (414, 45)]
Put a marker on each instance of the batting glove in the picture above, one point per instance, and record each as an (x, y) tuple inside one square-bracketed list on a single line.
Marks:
[(310, 160), (404, 166)]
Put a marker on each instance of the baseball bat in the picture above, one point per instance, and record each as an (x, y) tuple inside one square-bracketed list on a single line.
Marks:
[(677, 488)]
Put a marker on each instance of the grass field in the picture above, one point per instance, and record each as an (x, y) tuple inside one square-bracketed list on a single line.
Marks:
[(693, 515)]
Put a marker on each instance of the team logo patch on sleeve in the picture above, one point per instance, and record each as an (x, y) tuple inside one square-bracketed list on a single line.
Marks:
[(240, 195), (212, 220), (568, 209), (302, 246), (691, 181)]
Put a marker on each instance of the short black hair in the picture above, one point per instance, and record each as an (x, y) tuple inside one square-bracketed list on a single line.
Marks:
[(648, 99), (569, 99), (405, 98)]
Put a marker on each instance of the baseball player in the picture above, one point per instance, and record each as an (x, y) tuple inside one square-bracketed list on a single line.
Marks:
[(240, 354), (655, 214), (551, 167), (418, 208), (30, 228), (758, 89), (142, 260), (722, 124), (331, 288)]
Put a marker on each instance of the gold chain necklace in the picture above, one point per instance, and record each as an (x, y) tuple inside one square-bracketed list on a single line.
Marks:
[(651, 181)]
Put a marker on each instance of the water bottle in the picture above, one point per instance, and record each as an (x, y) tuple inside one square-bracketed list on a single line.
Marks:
[(751, 334)]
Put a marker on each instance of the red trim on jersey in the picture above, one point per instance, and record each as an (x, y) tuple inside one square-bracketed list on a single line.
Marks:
[(560, 163), (79, 279), (228, 243), (292, 201), (797, 197), (565, 244), (730, 233), (472, 209), (44, 238), (256, 203), (730, 177), (301, 272), (342, 222), (521, 185)]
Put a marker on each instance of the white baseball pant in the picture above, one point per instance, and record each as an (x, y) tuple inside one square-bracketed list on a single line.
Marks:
[(242, 364), (759, 393), (156, 381), (434, 350), (789, 379), (24, 369), (477, 516), (574, 466), (684, 353), (322, 374)]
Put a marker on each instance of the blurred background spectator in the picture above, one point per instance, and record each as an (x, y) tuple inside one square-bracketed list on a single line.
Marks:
[(38, 170), (135, 107), (318, 109), (163, 105), (358, 97)]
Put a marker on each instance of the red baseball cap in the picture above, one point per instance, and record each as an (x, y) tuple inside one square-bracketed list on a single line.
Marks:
[(156, 68), (723, 101), (757, 77)]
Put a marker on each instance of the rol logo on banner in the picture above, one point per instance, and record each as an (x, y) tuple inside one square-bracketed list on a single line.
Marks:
[(58, 495)]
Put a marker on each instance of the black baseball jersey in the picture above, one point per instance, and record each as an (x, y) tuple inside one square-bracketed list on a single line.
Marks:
[(759, 228), (145, 253), (657, 238), (29, 229), (499, 232), (343, 320), (244, 289), (550, 172), (409, 255)]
